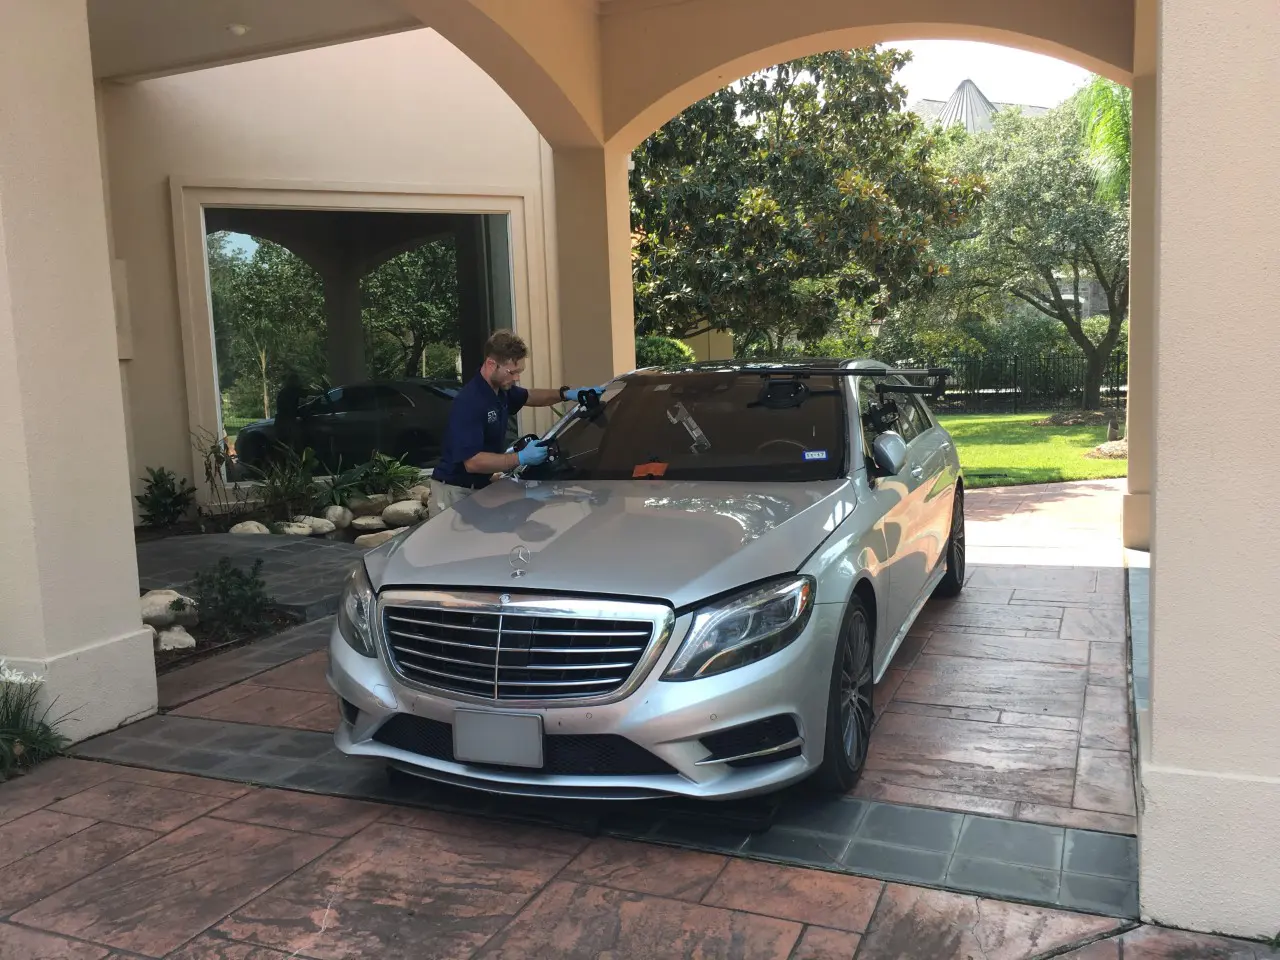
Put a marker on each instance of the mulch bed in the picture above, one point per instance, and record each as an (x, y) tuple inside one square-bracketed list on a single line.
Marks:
[(206, 646), (1079, 418)]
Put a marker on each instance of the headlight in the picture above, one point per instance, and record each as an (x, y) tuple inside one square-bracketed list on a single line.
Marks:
[(743, 629), (355, 612)]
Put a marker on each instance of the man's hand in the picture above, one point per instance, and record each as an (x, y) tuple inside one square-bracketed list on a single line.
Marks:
[(574, 394), (534, 454)]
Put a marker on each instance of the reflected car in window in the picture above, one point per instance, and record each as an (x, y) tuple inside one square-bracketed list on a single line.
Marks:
[(695, 595), (347, 424)]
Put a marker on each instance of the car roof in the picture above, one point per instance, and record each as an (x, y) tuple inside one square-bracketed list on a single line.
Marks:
[(817, 364)]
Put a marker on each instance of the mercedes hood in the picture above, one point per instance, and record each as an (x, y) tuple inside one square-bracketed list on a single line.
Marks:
[(680, 542)]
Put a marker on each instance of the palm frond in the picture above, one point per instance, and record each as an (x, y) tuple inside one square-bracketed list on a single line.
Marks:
[(1105, 110)]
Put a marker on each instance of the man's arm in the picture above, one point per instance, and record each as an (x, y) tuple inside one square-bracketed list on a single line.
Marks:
[(492, 462), (543, 398)]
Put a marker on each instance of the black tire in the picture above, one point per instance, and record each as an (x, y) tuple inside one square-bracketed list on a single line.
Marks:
[(850, 709), (952, 581)]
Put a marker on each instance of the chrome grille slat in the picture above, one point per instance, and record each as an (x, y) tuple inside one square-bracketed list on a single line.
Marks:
[(527, 651)]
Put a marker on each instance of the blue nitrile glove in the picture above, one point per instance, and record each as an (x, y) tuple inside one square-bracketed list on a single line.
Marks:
[(572, 393), (534, 454)]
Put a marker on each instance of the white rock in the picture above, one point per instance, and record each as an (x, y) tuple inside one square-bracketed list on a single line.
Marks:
[(371, 506), (319, 526), (368, 524), (403, 514), (340, 517), (175, 638), (296, 529), (421, 493), (371, 540), (250, 526), (157, 609)]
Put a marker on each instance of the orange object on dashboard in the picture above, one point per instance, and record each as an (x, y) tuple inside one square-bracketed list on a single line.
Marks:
[(643, 470)]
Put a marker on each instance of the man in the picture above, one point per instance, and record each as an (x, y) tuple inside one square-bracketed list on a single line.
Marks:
[(474, 444)]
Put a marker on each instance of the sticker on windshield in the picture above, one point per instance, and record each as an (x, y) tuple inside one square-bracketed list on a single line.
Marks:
[(815, 454)]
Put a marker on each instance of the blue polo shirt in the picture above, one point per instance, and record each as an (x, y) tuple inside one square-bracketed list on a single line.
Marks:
[(477, 423)]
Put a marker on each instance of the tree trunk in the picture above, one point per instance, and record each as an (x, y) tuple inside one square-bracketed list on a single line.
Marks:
[(266, 398), (1094, 367)]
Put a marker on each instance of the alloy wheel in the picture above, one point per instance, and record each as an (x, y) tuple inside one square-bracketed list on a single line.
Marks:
[(856, 711)]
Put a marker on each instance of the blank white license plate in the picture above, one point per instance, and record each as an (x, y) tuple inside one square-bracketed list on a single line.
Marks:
[(505, 739)]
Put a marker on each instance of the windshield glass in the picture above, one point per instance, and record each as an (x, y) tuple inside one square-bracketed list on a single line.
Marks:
[(707, 426)]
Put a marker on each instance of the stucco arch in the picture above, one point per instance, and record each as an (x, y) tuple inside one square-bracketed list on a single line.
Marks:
[(660, 58)]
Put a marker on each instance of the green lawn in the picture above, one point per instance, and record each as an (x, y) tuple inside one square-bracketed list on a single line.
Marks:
[(1005, 449), (233, 424)]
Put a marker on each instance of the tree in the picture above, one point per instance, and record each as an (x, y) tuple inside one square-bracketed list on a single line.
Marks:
[(1043, 231), (1105, 111), (409, 304), (270, 314), (788, 204)]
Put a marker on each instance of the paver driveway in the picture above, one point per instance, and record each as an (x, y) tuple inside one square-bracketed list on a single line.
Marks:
[(1007, 702)]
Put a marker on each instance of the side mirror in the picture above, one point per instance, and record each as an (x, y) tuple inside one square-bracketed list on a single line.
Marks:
[(889, 451)]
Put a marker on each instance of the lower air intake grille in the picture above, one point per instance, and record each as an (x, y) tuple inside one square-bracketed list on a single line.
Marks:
[(570, 755)]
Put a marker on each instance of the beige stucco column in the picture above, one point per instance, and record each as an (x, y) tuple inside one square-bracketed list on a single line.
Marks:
[(68, 572), (344, 341), (593, 242), (1140, 427), (1209, 832)]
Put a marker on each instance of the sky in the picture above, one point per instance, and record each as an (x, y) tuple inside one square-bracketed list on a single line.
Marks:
[(1004, 74)]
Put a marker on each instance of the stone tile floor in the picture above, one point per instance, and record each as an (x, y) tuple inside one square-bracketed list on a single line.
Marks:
[(304, 575), (1002, 704), (102, 860)]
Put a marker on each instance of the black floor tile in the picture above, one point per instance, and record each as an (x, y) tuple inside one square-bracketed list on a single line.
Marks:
[(1099, 895), (836, 815), (897, 863), (783, 843), (1029, 844), (1101, 854), (911, 827), (1003, 879)]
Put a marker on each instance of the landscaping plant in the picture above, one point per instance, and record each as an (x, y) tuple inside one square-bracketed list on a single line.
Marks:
[(27, 735), (287, 486), (232, 602), (165, 499)]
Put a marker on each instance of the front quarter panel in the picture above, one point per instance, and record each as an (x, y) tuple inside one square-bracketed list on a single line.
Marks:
[(860, 548)]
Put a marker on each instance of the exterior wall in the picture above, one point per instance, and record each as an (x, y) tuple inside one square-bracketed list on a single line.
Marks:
[(1210, 821), (712, 345), (406, 114)]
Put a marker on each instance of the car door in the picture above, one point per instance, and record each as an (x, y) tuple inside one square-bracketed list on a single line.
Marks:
[(927, 463), (893, 501)]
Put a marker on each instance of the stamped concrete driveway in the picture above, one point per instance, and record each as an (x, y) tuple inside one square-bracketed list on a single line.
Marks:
[(1011, 700)]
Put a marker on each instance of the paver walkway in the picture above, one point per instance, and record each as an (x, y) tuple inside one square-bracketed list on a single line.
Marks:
[(113, 861), (1007, 703), (1011, 699)]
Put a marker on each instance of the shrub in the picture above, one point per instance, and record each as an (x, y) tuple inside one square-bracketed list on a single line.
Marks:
[(165, 500), (288, 485), (662, 352), (388, 475), (27, 735), (232, 602)]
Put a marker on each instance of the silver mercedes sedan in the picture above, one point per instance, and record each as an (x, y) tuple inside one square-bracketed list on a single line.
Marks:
[(695, 595)]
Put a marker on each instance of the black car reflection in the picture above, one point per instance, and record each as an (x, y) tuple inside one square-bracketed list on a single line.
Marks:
[(348, 424)]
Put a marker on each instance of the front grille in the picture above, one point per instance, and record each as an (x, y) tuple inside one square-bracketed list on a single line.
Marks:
[(581, 755), (513, 656)]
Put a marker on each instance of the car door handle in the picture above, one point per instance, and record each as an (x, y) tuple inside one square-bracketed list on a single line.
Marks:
[(917, 471)]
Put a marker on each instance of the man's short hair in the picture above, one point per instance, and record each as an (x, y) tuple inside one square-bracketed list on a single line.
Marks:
[(505, 347)]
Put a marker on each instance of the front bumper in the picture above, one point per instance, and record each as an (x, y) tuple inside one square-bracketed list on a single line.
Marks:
[(665, 719)]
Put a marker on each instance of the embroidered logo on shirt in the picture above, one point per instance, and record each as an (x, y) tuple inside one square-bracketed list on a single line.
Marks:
[(493, 416)]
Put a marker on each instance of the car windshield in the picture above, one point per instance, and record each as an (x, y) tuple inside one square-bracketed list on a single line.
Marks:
[(721, 425)]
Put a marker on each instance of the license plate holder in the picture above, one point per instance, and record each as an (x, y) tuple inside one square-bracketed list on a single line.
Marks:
[(499, 739)]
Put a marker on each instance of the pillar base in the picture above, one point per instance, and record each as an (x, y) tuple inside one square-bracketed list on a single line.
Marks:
[(1206, 842), (102, 686), (1137, 521)]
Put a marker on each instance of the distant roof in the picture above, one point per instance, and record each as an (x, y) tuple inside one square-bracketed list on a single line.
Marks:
[(970, 107)]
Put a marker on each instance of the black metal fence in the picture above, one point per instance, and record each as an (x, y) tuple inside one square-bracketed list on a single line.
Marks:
[(1017, 384)]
